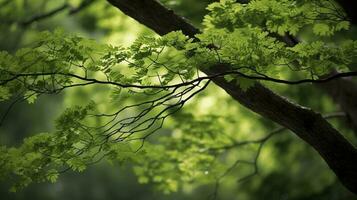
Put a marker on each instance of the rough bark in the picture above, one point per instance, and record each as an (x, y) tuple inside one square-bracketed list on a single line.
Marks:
[(339, 154), (344, 92)]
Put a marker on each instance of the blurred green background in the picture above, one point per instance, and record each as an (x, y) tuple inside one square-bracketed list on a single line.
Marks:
[(289, 169)]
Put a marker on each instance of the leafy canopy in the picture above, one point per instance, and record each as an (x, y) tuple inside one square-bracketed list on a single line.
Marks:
[(162, 74)]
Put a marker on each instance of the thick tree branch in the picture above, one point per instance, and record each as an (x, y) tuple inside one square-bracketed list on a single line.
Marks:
[(260, 142), (153, 15), (339, 154), (344, 92)]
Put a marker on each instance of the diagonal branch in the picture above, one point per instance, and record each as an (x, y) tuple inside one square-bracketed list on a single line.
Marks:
[(55, 11), (45, 15), (261, 142), (310, 126), (90, 81)]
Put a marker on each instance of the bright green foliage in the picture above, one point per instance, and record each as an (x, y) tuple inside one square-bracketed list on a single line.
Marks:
[(57, 62), (184, 156), (4, 93), (43, 155), (283, 16), (245, 36)]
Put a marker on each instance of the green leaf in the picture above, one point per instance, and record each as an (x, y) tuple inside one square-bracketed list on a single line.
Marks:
[(53, 176), (322, 29), (245, 83), (4, 93), (344, 25), (229, 77), (30, 97)]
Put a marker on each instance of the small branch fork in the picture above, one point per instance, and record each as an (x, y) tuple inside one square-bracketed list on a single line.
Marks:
[(130, 123), (139, 121), (123, 127), (126, 125), (254, 162)]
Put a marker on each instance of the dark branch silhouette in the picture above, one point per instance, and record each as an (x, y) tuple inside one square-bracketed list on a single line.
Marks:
[(310, 126), (55, 11)]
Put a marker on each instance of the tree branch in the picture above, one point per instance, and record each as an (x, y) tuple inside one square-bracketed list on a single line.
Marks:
[(57, 10), (90, 81), (261, 142), (343, 91), (310, 126), (43, 16)]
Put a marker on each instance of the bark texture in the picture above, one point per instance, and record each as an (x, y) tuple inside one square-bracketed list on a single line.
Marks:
[(344, 92), (339, 154)]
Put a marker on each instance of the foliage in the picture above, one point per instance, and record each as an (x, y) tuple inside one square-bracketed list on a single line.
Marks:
[(158, 76)]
